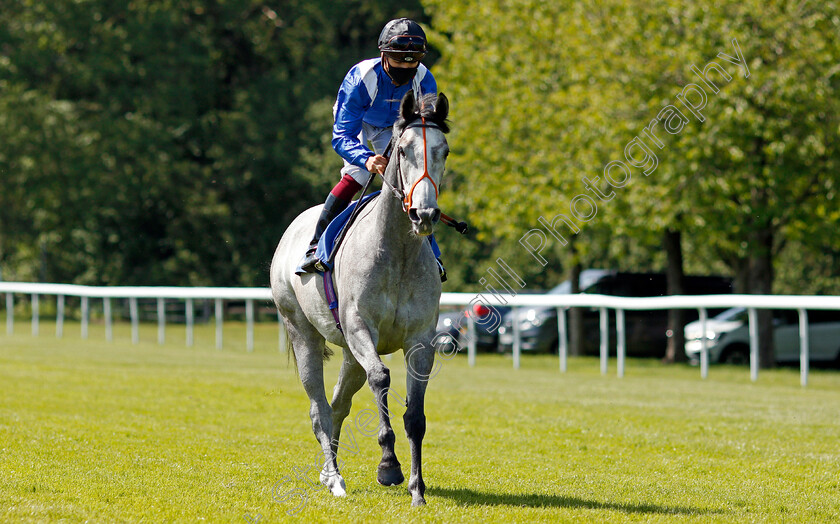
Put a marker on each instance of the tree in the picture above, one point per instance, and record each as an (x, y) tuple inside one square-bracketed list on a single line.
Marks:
[(161, 142), (561, 92), (762, 163)]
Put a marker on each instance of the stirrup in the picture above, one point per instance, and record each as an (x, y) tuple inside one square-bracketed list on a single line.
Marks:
[(441, 270), (333, 207), (310, 263)]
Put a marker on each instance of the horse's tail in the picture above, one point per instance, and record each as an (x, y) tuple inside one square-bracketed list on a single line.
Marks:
[(290, 351), (287, 341)]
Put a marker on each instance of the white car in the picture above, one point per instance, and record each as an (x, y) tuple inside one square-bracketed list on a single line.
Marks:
[(728, 338)]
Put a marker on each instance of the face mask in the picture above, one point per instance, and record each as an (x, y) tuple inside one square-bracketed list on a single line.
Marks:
[(401, 75)]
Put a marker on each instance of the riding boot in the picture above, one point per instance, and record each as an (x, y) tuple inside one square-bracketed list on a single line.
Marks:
[(333, 206), (441, 270)]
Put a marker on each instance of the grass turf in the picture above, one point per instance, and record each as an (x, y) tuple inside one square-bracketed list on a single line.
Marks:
[(97, 431)]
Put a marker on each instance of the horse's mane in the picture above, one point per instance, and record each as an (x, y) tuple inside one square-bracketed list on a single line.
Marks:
[(426, 107)]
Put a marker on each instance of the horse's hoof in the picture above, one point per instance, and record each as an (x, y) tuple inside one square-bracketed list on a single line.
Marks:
[(337, 486), (390, 476), (418, 501)]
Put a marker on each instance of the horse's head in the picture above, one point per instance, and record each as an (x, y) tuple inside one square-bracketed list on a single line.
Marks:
[(421, 150)]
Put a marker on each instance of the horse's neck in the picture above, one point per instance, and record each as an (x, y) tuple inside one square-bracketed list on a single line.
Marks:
[(392, 224)]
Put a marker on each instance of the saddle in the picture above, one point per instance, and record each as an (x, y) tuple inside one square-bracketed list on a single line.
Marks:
[(330, 240)]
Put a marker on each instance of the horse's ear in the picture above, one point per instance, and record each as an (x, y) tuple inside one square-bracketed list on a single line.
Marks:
[(407, 106), (441, 108)]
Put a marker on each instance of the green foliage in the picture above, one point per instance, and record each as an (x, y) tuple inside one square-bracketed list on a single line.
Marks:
[(167, 142), (172, 142), (549, 93)]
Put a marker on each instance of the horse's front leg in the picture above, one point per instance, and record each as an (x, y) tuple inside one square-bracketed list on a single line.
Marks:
[(362, 342), (419, 360)]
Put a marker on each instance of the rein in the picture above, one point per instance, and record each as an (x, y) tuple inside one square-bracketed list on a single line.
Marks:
[(461, 227), (400, 193)]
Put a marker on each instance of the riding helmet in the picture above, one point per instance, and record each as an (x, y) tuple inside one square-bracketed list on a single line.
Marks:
[(403, 39)]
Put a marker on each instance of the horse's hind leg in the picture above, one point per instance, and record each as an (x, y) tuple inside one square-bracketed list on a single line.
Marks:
[(350, 380), (309, 352)]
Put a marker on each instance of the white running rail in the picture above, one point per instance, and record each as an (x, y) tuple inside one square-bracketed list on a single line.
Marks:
[(702, 303)]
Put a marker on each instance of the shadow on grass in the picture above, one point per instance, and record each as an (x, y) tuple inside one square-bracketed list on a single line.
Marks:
[(468, 497)]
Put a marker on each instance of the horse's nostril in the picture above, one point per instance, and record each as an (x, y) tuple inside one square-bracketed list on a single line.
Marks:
[(426, 215), (413, 216)]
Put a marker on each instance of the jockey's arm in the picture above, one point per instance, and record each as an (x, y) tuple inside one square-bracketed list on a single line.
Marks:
[(350, 107)]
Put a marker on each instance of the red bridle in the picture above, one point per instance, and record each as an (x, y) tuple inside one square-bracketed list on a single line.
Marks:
[(461, 227), (407, 200)]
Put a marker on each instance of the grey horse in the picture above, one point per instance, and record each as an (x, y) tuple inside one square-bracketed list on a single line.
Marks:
[(388, 291)]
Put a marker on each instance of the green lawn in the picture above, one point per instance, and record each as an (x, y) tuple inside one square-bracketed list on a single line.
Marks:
[(104, 432)]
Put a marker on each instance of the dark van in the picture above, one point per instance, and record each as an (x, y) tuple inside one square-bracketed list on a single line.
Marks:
[(646, 331)]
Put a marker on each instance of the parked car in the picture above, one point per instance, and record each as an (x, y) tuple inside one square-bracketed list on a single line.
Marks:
[(448, 327), (645, 331), (538, 325), (453, 325), (728, 337)]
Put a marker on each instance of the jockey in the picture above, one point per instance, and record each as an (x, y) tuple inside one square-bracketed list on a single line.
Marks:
[(365, 111)]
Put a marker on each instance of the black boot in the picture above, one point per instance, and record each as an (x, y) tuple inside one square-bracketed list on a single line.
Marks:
[(441, 270), (332, 208)]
